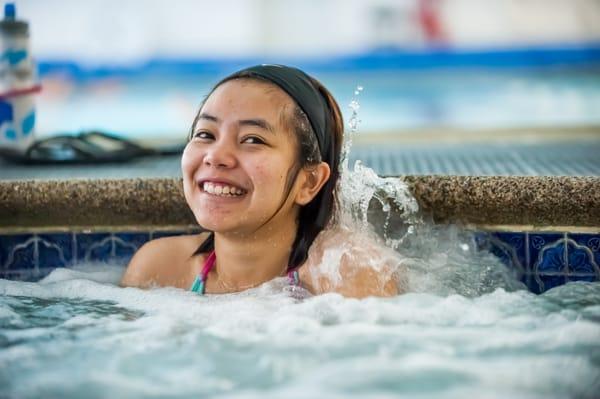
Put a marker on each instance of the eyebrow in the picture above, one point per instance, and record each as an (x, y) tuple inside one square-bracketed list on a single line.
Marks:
[(208, 117), (258, 122), (263, 124)]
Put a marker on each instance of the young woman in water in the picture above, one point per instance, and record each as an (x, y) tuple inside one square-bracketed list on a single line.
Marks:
[(259, 173)]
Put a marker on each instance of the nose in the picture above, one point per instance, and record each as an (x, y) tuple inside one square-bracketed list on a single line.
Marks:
[(220, 155)]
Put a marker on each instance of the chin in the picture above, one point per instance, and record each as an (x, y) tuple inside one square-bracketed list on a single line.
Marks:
[(215, 223)]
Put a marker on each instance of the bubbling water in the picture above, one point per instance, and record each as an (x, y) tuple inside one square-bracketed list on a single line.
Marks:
[(76, 334), (383, 229)]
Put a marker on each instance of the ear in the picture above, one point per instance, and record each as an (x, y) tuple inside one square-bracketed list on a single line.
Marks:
[(310, 181)]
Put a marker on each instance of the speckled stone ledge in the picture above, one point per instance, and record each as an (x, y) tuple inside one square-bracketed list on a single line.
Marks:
[(515, 200), (91, 203), (533, 201)]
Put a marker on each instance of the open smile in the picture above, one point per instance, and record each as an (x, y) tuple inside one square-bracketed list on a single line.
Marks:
[(221, 189)]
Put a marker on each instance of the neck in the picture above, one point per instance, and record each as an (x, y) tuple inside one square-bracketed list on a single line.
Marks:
[(248, 260)]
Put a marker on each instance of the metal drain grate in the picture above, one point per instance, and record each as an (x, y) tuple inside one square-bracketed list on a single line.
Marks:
[(546, 159), (555, 159)]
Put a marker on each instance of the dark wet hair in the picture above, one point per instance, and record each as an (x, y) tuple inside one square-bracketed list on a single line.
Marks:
[(314, 216)]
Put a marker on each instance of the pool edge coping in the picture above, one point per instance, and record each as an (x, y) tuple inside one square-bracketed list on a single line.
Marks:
[(488, 202)]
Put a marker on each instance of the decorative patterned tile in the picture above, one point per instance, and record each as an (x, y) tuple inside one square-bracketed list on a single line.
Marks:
[(542, 260), (580, 259), (547, 253), (552, 259), (511, 249), (7, 242), (55, 250), (534, 285), (18, 251), (583, 254), (126, 244), (548, 260), (93, 247)]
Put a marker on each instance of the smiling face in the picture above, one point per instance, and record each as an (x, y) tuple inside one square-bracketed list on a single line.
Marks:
[(236, 166)]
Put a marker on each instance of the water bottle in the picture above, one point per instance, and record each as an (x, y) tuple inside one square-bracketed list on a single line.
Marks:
[(18, 84)]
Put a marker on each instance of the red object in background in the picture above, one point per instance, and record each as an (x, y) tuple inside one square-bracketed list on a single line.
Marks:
[(19, 92), (429, 19)]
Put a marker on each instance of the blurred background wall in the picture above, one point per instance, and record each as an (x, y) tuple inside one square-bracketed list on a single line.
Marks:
[(141, 67), (128, 31)]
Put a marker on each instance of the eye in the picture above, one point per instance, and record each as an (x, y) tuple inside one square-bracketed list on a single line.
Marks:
[(203, 135), (253, 140)]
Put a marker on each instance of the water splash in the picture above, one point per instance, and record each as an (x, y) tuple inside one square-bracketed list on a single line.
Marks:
[(382, 228), (353, 123), (368, 200)]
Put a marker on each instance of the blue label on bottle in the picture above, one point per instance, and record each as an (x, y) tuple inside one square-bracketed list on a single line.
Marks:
[(11, 134), (6, 112), (28, 123), (14, 56)]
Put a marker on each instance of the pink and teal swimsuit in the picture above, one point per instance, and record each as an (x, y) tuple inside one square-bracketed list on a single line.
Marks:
[(199, 282)]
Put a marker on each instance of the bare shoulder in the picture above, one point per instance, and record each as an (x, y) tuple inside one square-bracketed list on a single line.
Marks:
[(351, 264), (162, 261)]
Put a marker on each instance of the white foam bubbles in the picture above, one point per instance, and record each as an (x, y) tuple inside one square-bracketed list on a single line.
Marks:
[(267, 343)]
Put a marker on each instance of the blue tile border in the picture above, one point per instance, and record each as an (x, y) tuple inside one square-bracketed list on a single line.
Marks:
[(18, 252), (126, 244), (93, 247), (56, 250), (542, 260), (31, 256), (590, 244), (509, 248)]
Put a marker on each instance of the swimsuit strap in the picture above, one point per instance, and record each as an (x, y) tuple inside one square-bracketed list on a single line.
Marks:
[(209, 263), (294, 277)]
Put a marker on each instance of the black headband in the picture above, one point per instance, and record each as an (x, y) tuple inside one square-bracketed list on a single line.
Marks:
[(298, 85)]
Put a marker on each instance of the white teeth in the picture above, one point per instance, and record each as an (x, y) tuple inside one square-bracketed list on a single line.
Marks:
[(222, 190)]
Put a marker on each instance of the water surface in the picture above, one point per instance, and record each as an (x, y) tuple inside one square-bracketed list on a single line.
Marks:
[(77, 334)]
